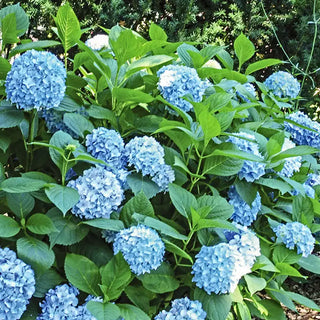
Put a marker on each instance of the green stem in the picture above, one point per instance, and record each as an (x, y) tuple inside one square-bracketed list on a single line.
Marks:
[(33, 116), (196, 179)]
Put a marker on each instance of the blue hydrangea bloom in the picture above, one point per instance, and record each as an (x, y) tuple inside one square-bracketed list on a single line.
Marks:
[(312, 181), (109, 235), (218, 268), (54, 120), (183, 309), (145, 154), (250, 88), (70, 174), (243, 213), (107, 145), (164, 177), (17, 285), (283, 85), (141, 247), (62, 303), (292, 164), (36, 80), (303, 136), (177, 81), (296, 234), (250, 170), (98, 42), (100, 193)]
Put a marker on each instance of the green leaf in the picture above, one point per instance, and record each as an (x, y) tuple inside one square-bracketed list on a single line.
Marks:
[(219, 74), (149, 62), (103, 311), (69, 232), (294, 152), (82, 273), (217, 223), (282, 254), (68, 26), (247, 191), (183, 52), (9, 116), (20, 185), (216, 306), (138, 183), (252, 67), (243, 48), (130, 312), (39, 223), (9, 29), (303, 300), (164, 228), (22, 18), (131, 95), (106, 224), (77, 123), (8, 227), (182, 199), (282, 186), (219, 206), (115, 277), (157, 33), (263, 263), (254, 283), (160, 280), (140, 296), (286, 269), (5, 67), (171, 247), (64, 198), (21, 204), (210, 126), (35, 253), (40, 44), (310, 263), (45, 281)]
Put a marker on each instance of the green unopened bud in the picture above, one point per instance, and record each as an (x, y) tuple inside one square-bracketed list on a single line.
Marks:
[(71, 147)]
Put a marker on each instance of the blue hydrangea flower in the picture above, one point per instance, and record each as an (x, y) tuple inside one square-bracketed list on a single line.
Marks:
[(303, 136), (141, 247), (312, 181), (243, 213), (177, 81), (17, 285), (296, 234), (70, 174), (183, 309), (218, 268), (292, 164), (54, 120), (109, 235), (283, 85), (100, 193), (62, 303), (250, 88), (107, 145), (98, 42), (164, 177), (145, 154), (250, 170), (36, 80)]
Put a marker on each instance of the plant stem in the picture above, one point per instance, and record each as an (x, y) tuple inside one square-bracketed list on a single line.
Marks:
[(33, 116)]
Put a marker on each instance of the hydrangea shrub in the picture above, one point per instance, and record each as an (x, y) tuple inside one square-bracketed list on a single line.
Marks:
[(144, 179)]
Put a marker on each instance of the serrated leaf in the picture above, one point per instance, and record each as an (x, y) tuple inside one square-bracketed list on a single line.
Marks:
[(103, 311), (130, 312), (243, 48), (45, 281), (171, 247), (138, 183), (39, 223), (106, 224), (77, 123), (21, 204), (8, 227), (21, 185), (157, 33)]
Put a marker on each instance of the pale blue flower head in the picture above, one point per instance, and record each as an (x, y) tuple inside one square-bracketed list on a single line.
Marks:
[(98, 42), (141, 247), (36, 80), (291, 164), (250, 170), (17, 285), (250, 88), (243, 213), (218, 268), (164, 176), (283, 85), (61, 303), (109, 235), (177, 81), (303, 136), (296, 234), (145, 154), (183, 309), (107, 145), (313, 180), (100, 193)]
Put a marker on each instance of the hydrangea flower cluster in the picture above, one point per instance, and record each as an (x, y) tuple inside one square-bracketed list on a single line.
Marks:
[(54, 120), (17, 285), (283, 85), (147, 155), (109, 235), (100, 193), (243, 213), (183, 309), (250, 88), (250, 170), (219, 268), (312, 181), (62, 303), (300, 135), (292, 164), (177, 81), (296, 234), (141, 247), (98, 42), (36, 80)]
